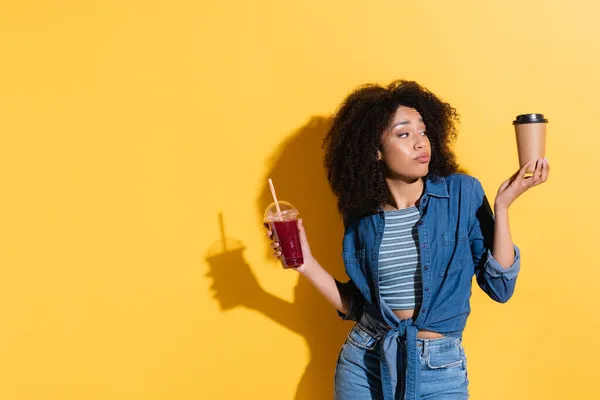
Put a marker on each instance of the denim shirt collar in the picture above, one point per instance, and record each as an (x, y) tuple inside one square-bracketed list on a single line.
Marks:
[(436, 186)]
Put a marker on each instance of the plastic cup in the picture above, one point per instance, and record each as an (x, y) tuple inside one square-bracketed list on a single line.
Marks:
[(284, 225)]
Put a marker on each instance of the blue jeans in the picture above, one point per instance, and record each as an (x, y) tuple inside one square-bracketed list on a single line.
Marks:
[(443, 367)]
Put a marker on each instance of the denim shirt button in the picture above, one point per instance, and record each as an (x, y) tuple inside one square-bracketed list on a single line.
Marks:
[(427, 289), (426, 267), (420, 223), (424, 310), (424, 245)]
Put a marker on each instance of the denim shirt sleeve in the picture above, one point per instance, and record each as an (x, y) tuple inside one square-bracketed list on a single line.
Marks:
[(496, 281), (356, 301)]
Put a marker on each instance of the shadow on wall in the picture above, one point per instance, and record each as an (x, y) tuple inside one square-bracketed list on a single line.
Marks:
[(298, 174)]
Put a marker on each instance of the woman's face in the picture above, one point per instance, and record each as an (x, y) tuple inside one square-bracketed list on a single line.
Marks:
[(406, 149)]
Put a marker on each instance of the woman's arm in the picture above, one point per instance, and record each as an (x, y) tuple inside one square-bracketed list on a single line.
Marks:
[(503, 250), (334, 292), (497, 260), (338, 294), (496, 280), (508, 192)]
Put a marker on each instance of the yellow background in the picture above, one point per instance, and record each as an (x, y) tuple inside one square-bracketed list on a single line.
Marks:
[(127, 127)]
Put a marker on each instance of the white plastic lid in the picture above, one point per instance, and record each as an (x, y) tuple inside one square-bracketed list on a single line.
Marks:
[(288, 212)]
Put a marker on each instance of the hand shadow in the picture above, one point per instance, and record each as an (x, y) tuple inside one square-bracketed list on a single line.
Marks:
[(299, 177), (244, 290)]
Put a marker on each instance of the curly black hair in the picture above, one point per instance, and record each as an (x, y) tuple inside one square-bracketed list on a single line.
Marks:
[(353, 169)]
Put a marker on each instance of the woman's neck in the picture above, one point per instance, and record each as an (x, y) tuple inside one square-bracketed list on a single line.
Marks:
[(403, 193)]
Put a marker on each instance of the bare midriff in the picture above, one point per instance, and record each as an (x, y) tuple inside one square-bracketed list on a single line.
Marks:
[(424, 333)]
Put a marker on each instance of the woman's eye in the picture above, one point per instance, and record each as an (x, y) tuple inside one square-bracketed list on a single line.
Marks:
[(403, 135), (424, 133)]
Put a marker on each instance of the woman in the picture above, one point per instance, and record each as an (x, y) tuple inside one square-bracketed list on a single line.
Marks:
[(416, 233)]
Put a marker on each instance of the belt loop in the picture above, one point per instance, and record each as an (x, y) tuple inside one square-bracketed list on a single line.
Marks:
[(425, 348)]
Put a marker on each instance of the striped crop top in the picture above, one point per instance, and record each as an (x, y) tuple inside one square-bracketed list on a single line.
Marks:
[(399, 265)]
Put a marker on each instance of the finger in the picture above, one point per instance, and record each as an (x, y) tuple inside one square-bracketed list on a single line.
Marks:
[(302, 232), (269, 234), (301, 229), (274, 245), (504, 185), (539, 170), (277, 254), (545, 170), (537, 173), (523, 170)]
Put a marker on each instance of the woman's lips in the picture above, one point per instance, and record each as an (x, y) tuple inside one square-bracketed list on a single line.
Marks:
[(423, 159)]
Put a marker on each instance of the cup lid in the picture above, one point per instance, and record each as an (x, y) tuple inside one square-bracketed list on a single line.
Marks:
[(530, 119), (288, 211), (223, 247)]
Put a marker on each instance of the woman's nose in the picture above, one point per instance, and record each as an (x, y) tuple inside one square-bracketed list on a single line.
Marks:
[(420, 142)]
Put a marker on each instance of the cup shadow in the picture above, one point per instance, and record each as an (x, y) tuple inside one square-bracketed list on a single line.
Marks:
[(299, 177)]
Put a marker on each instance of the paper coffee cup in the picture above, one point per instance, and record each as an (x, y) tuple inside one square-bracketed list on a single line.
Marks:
[(530, 130)]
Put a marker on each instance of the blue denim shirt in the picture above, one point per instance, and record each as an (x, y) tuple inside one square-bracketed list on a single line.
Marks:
[(456, 234)]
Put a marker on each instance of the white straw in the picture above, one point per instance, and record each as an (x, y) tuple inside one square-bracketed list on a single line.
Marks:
[(274, 195)]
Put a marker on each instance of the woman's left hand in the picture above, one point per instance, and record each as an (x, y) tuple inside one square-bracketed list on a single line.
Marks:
[(517, 184)]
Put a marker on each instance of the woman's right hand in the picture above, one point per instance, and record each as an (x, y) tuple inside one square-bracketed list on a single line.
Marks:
[(306, 253)]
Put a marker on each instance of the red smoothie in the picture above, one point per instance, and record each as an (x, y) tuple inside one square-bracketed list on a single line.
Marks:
[(286, 233)]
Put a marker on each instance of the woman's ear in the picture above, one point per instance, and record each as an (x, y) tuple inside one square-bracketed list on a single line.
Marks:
[(379, 155)]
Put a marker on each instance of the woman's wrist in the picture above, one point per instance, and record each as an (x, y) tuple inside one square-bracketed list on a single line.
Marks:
[(309, 266), (500, 208)]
